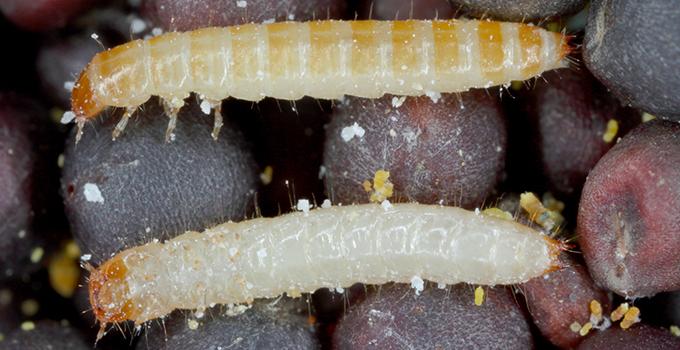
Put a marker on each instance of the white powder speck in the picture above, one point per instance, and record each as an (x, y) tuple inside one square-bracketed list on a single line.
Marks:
[(386, 205), (393, 133), (441, 285), (499, 148), (242, 3), (291, 16), (249, 285), (326, 204), (349, 132), (205, 107), (340, 290), (156, 31), (322, 172), (147, 230), (303, 205), (68, 85), (262, 253), (199, 314), (94, 36), (68, 117), (92, 193), (477, 211), (137, 25), (269, 21), (418, 284), (398, 101), (86, 257), (434, 96)]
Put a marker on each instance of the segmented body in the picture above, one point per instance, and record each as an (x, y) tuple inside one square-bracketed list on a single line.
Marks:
[(330, 247), (321, 59)]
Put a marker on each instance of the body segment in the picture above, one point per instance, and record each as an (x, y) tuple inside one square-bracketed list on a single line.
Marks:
[(321, 59), (334, 247)]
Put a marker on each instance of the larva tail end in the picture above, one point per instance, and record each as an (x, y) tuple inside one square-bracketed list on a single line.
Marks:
[(557, 247), (83, 103), (565, 48), (108, 292)]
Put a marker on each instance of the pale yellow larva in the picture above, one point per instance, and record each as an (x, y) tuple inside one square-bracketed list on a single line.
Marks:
[(333, 247), (321, 59)]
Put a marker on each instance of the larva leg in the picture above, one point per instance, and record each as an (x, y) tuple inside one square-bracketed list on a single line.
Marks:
[(217, 110), (118, 130), (80, 123)]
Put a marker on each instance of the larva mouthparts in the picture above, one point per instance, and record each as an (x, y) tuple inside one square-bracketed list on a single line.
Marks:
[(321, 59), (235, 263)]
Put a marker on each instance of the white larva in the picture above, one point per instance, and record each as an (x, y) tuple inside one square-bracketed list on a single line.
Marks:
[(335, 247)]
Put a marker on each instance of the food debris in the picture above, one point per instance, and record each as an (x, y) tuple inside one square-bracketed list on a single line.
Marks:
[(418, 284), (92, 193), (631, 317), (63, 269), (382, 188), (205, 107), (548, 219), (37, 254), (192, 324), (29, 307), (386, 205), (303, 205), (675, 330), (27, 326), (326, 203), (585, 329), (647, 117), (68, 117), (349, 132), (618, 313), (398, 101), (479, 296), (595, 311), (575, 327), (611, 131), (267, 175)]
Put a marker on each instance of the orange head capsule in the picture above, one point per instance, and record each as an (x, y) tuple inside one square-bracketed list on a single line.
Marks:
[(108, 292), (83, 102)]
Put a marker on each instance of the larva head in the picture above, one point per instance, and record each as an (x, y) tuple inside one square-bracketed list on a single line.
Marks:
[(83, 102), (108, 291)]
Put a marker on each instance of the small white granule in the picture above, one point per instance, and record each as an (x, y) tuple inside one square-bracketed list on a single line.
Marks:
[(291, 16), (92, 193), (68, 85), (137, 25), (349, 132), (393, 133), (241, 3), (86, 257), (322, 172), (68, 117), (326, 204), (269, 21), (434, 96), (262, 253), (205, 107), (94, 36), (418, 284), (398, 101), (441, 285), (147, 230), (386, 205), (193, 324), (156, 31), (303, 205), (340, 290)]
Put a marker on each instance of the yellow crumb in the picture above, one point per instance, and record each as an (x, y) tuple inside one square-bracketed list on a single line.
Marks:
[(647, 117), (631, 317), (618, 313), (63, 270), (29, 307), (367, 186), (37, 254), (537, 212), (72, 250), (382, 187), (267, 175), (596, 310), (551, 203), (27, 326), (479, 296), (585, 329), (611, 131), (575, 327), (497, 213), (675, 330)]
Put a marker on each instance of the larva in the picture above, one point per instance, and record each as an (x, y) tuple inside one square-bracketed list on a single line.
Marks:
[(234, 263), (321, 59)]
